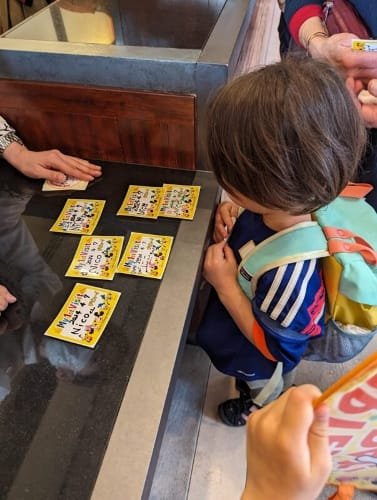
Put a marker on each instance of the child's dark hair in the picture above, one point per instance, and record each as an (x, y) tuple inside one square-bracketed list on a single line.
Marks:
[(287, 136)]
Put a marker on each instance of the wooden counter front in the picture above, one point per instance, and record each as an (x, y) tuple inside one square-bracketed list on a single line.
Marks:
[(103, 123)]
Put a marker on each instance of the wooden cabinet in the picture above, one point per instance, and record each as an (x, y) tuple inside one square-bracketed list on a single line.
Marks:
[(149, 128)]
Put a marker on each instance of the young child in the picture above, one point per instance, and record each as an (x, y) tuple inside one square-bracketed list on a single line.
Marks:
[(283, 141)]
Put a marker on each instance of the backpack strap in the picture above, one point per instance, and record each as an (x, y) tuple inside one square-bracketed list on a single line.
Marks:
[(302, 241), (356, 190)]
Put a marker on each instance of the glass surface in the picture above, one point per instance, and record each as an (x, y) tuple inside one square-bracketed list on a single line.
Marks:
[(182, 24), (59, 401)]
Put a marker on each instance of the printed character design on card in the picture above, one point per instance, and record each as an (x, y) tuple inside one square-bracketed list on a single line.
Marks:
[(84, 315), (141, 201), (146, 255), (79, 216), (96, 257), (179, 201)]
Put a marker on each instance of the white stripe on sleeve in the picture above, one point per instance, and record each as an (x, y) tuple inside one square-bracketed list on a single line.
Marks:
[(288, 290), (301, 295), (273, 288)]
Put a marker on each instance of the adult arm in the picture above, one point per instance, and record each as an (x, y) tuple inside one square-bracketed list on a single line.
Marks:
[(303, 18), (52, 165), (368, 110), (297, 12)]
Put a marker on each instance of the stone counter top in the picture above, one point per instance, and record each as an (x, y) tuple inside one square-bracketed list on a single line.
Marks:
[(69, 414)]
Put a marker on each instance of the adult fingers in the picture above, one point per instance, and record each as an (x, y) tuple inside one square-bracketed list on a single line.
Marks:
[(357, 63), (10, 298), (369, 114), (372, 87), (353, 87), (6, 298), (84, 165), (74, 167), (3, 303), (54, 176)]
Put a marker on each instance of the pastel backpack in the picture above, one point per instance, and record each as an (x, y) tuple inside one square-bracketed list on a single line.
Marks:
[(344, 235)]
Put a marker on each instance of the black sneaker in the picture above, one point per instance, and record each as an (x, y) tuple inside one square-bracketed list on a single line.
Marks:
[(234, 412)]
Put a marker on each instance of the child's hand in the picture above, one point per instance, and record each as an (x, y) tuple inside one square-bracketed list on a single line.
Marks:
[(225, 218), (220, 267), (288, 448), (51, 165), (6, 298)]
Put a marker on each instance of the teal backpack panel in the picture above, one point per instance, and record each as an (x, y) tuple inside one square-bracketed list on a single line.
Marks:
[(358, 279)]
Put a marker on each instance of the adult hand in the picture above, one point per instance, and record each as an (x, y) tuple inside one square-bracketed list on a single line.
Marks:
[(288, 452), (6, 298), (51, 165), (220, 267), (337, 49), (358, 67), (367, 108), (372, 87), (225, 218)]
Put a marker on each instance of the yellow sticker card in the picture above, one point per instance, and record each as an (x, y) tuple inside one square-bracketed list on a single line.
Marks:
[(84, 315), (142, 201), (179, 201), (364, 45), (146, 255), (79, 216), (96, 257)]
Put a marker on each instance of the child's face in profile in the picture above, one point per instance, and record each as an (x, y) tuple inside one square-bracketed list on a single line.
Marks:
[(244, 202)]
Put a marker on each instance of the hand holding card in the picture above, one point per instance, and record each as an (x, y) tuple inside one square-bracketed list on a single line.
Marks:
[(70, 183)]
